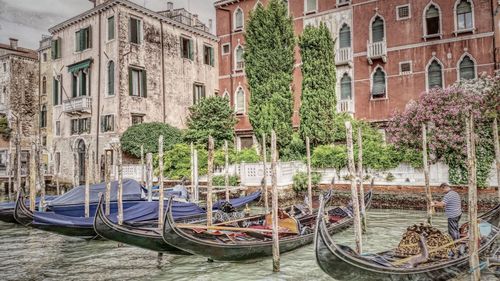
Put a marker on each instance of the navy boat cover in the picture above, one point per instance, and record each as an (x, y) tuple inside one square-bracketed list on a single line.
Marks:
[(132, 190), (240, 201), (12, 204)]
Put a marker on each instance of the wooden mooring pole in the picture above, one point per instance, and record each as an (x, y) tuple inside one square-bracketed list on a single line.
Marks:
[(119, 171), (473, 224), (196, 187), (309, 177), (360, 175), (149, 175), (276, 242), (209, 179), (143, 182), (497, 153), (191, 188), (226, 169), (32, 178), (88, 171), (425, 160), (264, 167), (107, 176), (354, 191), (160, 182)]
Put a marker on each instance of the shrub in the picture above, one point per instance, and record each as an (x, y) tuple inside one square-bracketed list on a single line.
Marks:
[(329, 156), (219, 180), (177, 161), (300, 181), (248, 155), (147, 134)]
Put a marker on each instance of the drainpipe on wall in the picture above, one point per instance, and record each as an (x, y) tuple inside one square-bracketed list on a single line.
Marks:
[(98, 96), (493, 14), (163, 75), (230, 48)]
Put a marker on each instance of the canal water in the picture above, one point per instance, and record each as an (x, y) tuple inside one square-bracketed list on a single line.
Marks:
[(28, 254)]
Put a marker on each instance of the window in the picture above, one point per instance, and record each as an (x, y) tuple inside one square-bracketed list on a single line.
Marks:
[(58, 128), (111, 28), (226, 95), (403, 12), (187, 48), (464, 15), (240, 63), (377, 29), (345, 37), (432, 21), (44, 85), (198, 93), (378, 84), (467, 69), (55, 49), (137, 82), (135, 26), (226, 48), (44, 140), (83, 39), (79, 83), (345, 87), (434, 75), (208, 55), (111, 78), (238, 19), (137, 119), (74, 126), (107, 123), (343, 2), (4, 67), (44, 57), (239, 105), (405, 67), (79, 126), (43, 116), (57, 161), (56, 90), (310, 6)]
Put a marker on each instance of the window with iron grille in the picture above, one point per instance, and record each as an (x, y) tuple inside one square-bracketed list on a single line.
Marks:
[(226, 49), (403, 12), (467, 69), (405, 67)]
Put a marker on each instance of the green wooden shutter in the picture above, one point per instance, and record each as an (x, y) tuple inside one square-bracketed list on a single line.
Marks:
[(194, 93), (55, 94), (212, 57), (190, 48), (58, 49), (103, 129), (74, 85), (130, 90), (111, 78), (435, 75), (144, 84), (139, 34), (203, 91), (82, 84), (89, 37), (345, 37), (77, 41), (53, 49), (377, 30)]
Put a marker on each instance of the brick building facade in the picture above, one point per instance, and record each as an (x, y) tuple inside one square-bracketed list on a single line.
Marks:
[(387, 51)]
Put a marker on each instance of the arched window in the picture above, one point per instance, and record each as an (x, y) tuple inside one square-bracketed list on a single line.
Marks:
[(43, 117), (239, 105), (226, 95), (44, 85), (434, 75), (432, 21), (238, 19), (378, 84), (467, 69), (345, 87), (377, 29), (464, 15), (239, 62), (345, 37), (111, 78)]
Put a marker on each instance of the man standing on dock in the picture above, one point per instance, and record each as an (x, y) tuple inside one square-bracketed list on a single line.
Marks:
[(452, 205)]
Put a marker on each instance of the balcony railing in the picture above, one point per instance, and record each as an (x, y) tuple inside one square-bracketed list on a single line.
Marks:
[(240, 65), (343, 56), (78, 104), (345, 106), (377, 50)]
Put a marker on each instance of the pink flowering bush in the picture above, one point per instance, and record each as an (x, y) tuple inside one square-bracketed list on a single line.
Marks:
[(444, 110)]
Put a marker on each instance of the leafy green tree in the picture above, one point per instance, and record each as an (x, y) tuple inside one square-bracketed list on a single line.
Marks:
[(177, 161), (5, 130), (318, 107), (212, 116), (147, 134), (269, 63)]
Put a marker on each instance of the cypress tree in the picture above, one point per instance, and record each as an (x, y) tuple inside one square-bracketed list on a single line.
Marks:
[(269, 62), (318, 100)]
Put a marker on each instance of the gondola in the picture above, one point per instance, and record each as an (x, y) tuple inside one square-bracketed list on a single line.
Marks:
[(7, 209), (146, 234), (342, 263), (246, 243)]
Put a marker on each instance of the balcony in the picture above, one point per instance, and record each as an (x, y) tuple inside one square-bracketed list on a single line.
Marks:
[(78, 105), (343, 56), (346, 106), (377, 50)]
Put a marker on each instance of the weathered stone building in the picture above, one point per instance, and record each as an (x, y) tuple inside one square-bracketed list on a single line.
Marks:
[(45, 100), (18, 101), (118, 64), (387, 51)]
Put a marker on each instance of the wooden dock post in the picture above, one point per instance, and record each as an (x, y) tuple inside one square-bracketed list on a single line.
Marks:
[(276, 242), (309, 179), (264, 179), (361, 186), (142, 165), (196, 187), (160, 182), (88, 172), (428, 195), (119, 171), (149, 175), (191, 188), (107, 176), (354, 191), (209, 179), (32, 178), (226, 169), (473, 224), (9, 171), (40, 175), (497, 153)]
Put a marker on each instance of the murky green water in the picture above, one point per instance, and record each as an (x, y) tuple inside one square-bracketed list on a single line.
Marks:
[(28, 254)]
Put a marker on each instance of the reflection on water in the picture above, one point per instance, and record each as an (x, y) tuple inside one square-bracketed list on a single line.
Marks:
[(28, 254)]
